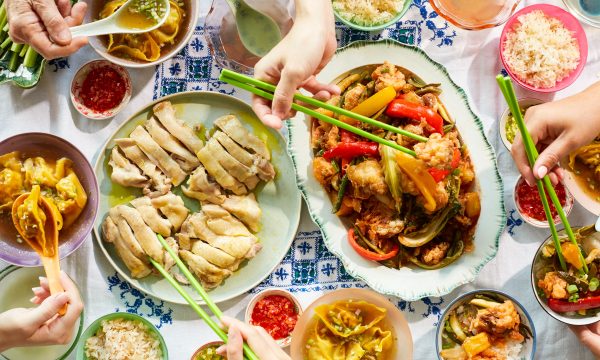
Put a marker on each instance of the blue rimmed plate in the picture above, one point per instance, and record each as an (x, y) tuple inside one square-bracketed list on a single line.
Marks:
[(406, 283)]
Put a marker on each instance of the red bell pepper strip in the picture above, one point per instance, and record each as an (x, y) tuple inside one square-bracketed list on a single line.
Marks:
[(562, 306), (352, 150), (347, 136), (440, 174), (405, 109), (368, 254)]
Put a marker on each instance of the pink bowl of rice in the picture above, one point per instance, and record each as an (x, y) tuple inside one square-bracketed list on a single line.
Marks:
[(543, 48)]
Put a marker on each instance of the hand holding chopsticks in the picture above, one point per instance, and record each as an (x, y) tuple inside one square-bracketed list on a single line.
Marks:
[(266, 90), (249, 354), (532, 154)]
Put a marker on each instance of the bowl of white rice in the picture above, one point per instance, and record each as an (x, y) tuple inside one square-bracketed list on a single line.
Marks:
[(121, 336), (543, 48), (370, 15)]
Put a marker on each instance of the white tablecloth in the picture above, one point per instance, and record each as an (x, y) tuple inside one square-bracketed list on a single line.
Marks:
[(472, 60)]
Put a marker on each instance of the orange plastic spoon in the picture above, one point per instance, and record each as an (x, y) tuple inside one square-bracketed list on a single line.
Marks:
[(44, 243)]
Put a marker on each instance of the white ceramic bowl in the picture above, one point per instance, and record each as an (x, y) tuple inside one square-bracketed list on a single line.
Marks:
[(528, 349), (186, 32), (542, 223), (591, 203), (524, 104), (394, 317), (268, 292), (77, 83)]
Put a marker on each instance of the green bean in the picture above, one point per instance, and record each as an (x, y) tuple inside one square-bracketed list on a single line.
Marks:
[(340, 195)]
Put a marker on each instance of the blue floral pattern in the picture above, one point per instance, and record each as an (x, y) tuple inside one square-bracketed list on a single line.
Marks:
[(59, 64), (512, 222), (136, 302)]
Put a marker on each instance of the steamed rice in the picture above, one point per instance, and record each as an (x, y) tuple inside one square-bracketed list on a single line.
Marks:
[(540, 50), (121, 339), (368, 12)]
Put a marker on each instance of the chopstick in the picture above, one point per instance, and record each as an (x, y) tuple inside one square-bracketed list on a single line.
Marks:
[(258, 87), (249, 354), (532, 154)]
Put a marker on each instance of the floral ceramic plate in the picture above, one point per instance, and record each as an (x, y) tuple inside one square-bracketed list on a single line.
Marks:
[(407, 283), (279, 199)]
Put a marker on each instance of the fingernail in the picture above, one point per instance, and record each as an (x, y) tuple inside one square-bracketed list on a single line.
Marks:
[(528, 183), (32, 300), (542, 171), (36, 289), (64, 35), (42, 278)]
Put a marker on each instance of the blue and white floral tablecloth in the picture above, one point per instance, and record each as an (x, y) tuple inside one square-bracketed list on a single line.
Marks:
[(308, 270)]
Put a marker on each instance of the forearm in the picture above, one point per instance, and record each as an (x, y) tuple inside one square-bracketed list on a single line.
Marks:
[(319, 12)]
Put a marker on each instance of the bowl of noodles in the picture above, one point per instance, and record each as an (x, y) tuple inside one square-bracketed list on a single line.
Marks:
[(145, 49)]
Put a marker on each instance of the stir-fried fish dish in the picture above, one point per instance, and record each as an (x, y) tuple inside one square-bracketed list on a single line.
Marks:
[(484, 326), (570, 291), (403, 209)]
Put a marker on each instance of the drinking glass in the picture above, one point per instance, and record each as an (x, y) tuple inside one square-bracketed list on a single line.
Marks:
[(475, 14)]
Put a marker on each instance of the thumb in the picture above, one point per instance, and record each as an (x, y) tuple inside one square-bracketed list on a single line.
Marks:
[(550, 157), (48, 309)]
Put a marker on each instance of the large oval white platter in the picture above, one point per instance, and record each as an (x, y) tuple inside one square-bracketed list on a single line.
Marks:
[(407, 283), (279, 199)]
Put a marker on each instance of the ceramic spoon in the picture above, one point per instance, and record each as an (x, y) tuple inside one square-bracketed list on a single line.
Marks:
[(48, 249), (258, 32), (116, 23)]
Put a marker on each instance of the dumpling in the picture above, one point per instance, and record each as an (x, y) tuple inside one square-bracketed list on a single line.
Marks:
[(348, 318)]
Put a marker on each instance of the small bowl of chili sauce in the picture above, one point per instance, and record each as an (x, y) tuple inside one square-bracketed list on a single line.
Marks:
[(276, 311), (529, 204), (100, 89)]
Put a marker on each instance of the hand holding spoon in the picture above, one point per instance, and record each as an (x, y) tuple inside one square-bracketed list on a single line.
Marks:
[(38, 221), (134, 17)]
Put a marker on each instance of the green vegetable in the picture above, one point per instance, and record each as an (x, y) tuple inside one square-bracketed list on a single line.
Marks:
[(335, 166), (455, 326), (340, 195), (510, 128), (593, 285), (392, 174), (482, 303), (438, 222), (363, 240), (210, 353), (571, 289)]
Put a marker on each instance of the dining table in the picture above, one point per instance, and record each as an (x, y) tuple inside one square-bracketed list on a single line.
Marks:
[(308, 270)]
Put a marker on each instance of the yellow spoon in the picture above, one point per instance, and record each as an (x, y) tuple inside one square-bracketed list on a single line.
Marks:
[(38, 221)]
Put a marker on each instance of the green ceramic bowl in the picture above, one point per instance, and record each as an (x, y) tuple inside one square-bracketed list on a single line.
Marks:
[(375, 27), (95, 326)]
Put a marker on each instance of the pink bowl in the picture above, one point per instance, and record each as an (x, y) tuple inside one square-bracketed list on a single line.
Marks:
[(570, 22)]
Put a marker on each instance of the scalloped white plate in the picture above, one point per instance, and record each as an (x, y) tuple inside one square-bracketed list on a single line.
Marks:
[(407, 283)]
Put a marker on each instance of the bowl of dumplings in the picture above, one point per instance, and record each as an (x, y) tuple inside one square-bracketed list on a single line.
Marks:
[(145, 49)]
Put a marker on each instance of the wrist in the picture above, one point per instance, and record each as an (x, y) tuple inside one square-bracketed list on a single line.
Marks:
[(317, 12)]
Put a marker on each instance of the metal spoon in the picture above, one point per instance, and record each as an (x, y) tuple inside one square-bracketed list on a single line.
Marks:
[(116, 23), (258, 32)]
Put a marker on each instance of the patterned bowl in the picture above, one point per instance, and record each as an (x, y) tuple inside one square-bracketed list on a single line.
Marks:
[(528, 349), (570, 22), (376, 27), (70, 239), (97, 324), (77, 83), (268, 292)]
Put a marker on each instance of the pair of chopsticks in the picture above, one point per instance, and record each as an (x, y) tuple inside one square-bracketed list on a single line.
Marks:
[(249, 354), (508, 91), (266, 90)]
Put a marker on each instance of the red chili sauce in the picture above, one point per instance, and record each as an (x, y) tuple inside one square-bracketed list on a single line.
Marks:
[(103, 89), (276, 314), (530, 203)]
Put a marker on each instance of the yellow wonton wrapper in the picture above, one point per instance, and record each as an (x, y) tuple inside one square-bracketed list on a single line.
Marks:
[(145, 46), (11, 179), (346, 318)]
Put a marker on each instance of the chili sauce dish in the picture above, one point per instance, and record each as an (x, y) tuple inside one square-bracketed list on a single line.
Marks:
[(277, 311), (529, 204)]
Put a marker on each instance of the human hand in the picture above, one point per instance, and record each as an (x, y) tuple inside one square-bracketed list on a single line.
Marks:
[(256, 337), (292, 64), (589, 335), (42, 325), (558, 128), (44, 25)]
